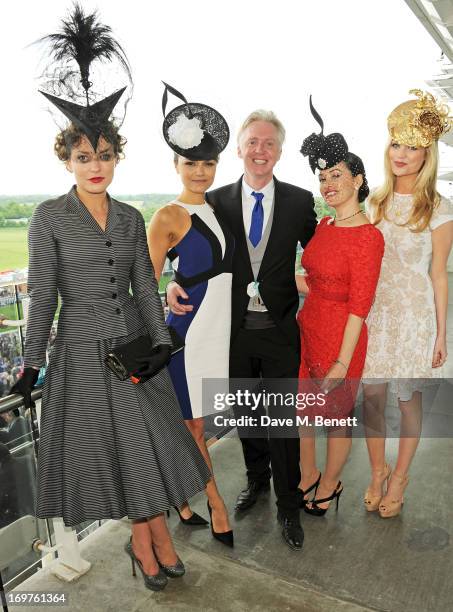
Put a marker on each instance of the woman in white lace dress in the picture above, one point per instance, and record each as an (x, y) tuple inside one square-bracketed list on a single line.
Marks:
[(407, 323)]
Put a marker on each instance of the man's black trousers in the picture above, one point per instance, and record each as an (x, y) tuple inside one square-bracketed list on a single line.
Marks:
[(267, 354)]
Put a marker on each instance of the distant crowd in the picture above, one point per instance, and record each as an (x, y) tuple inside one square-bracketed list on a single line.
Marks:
[(10, 361)]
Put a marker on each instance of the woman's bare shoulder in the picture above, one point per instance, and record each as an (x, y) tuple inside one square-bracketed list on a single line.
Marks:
[(170, 215)]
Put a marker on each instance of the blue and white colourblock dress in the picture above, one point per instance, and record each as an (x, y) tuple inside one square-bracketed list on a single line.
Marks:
[(202, 262)]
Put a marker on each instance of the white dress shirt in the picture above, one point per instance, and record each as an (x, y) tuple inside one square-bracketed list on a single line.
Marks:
[(248, 203)]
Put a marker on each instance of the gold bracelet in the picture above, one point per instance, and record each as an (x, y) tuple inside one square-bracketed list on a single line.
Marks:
[(341, 363)]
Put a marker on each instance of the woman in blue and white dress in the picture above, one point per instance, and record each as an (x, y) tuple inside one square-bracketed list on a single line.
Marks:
[(188, 231)]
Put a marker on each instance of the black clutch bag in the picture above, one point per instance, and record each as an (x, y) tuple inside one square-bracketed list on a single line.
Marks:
[(125, 359)]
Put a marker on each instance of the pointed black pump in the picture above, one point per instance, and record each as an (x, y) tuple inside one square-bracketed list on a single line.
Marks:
[(226, 537)]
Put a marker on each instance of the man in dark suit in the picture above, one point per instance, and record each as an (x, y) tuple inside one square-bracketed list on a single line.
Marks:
[(268, 218)]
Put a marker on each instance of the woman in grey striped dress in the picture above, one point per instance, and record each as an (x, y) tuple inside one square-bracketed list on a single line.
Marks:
[(108, 448)]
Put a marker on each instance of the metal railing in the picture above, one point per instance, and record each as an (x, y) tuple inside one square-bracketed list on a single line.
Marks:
[(26, 543), (12, 402), (19, 528)]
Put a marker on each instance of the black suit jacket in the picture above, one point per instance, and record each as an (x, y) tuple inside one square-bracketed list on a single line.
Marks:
[(294, 221)]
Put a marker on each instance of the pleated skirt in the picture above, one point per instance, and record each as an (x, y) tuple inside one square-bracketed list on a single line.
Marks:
[(111, 448)]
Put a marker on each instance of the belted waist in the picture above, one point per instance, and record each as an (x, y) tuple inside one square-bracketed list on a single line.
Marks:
[(88, 320), (333, 296)]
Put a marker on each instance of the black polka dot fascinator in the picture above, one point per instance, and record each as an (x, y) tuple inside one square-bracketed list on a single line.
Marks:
[(323, 151)]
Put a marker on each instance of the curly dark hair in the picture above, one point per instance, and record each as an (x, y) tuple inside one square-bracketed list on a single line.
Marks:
[(355, 165), (72, 135)]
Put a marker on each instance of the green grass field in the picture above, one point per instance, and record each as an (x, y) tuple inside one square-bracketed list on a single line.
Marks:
[(13, 248), (9, 311)]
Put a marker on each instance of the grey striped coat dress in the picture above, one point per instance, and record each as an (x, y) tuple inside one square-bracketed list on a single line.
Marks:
[(108, 449)]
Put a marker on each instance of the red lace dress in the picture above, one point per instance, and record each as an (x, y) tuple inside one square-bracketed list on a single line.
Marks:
[(342, 265)]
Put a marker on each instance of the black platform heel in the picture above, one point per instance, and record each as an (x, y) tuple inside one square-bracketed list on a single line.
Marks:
[(195, 520), (315, 510), (226, 537), (301, 493), (155, 582)]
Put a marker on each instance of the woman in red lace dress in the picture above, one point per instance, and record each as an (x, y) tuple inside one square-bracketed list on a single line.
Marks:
[(342, 262)]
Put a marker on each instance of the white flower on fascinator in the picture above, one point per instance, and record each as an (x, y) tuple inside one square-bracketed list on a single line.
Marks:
[(185, 133)]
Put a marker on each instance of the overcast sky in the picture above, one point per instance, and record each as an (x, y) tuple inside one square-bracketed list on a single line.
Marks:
[(358, 58)]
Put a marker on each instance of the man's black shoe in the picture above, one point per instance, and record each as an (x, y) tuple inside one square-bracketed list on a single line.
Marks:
[(248, 496), (292, 532)]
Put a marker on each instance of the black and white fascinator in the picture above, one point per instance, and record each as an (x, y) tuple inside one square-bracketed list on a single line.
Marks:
[(194, 130)]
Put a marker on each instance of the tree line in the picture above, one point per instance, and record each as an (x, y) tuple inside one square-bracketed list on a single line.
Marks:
[(14, 214)]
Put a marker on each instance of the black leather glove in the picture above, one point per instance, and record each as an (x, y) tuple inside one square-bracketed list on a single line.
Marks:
[(24, 386), (159, 358)]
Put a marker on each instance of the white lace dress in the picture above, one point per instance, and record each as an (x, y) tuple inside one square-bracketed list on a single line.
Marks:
[(402, 325)]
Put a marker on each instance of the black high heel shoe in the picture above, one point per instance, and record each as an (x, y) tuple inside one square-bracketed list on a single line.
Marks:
[(301, 493), (226, 537), (195, 520), (155, 582), (315, 510)]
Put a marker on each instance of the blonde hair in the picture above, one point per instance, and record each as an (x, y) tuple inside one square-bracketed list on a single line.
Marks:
[(264, 115), (425, 196)]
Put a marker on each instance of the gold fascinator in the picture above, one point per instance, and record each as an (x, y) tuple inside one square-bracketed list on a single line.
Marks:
[(418, 123)]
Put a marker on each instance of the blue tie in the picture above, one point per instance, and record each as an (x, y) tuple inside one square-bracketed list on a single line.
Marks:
[(256, 226)]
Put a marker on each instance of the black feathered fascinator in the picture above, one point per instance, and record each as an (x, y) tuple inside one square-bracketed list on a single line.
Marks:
[(194, 130), (75, 78), (323, 151)]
